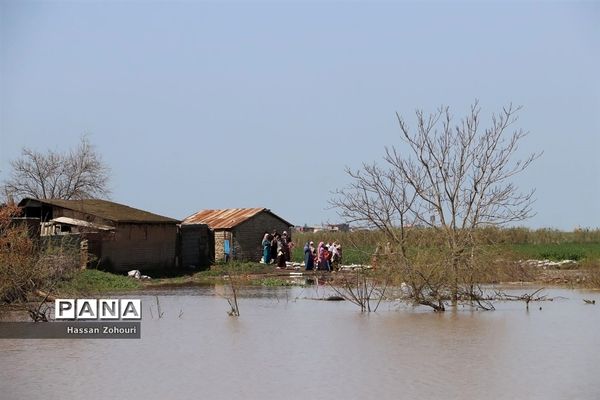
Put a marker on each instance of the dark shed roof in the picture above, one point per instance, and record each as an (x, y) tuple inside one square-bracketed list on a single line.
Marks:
[(227, 218), (102, 208)]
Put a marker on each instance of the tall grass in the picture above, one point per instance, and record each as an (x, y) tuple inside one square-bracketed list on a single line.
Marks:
[(541, 236), (580, 244), (557, 252)]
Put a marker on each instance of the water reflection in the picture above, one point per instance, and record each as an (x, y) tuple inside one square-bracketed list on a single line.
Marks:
[(287, 346)]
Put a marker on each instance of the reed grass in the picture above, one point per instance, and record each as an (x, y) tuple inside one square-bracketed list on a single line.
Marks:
[(520, 243)]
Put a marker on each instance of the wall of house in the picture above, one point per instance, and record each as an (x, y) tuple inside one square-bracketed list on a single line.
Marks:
[(140, 246), (247, 236), (196, 247), (219, 239)]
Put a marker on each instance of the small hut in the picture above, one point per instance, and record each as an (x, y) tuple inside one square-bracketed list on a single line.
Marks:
[(237, 232)]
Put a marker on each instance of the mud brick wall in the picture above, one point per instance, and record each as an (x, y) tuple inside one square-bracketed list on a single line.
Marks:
[(247, 236), (140, 246)]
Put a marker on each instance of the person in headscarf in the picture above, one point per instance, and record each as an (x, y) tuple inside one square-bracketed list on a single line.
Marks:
[(328, 255), (280, 252), (266, 245), (286, 246), (274, 237), (309, 261), (321, 257), (335, 256)]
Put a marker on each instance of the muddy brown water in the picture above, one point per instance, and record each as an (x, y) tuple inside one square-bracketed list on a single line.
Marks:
[(286, 346)]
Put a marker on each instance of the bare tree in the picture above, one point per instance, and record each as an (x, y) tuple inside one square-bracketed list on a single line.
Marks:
[(432, 195), (360, 288), (76, 174)]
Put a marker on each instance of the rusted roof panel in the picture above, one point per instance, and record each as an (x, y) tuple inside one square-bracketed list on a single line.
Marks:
[(226, 218)]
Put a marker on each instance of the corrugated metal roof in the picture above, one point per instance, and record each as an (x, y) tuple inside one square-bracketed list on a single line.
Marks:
[(226, 218), (102, 208)]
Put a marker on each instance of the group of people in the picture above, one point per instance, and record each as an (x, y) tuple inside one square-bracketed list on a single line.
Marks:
[(326, 257), (277, 248)]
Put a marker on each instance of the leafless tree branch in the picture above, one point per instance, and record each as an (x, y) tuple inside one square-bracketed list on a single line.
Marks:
[(449, 179), (77, 174)]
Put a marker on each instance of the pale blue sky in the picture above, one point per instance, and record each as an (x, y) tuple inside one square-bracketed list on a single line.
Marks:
[(211, 105)]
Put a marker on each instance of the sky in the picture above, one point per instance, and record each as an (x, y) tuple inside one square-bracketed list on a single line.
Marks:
[(197, 105)]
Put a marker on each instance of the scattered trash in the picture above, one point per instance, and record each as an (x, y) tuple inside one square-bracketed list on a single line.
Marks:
[(547, 263), (293, 265), (135, 273), (353, 267)]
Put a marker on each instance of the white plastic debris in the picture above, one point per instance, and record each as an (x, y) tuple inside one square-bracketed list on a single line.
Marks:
[(135, 273)]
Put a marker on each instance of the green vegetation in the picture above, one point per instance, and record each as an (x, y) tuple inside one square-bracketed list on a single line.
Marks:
[(215, 272), (521, 243), (358, 248), (557, 252), (90, 281)]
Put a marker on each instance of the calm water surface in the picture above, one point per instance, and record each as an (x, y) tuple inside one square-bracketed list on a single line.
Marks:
[(287, 346)]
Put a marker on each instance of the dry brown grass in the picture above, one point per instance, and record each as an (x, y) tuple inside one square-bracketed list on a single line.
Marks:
[(24, 266)]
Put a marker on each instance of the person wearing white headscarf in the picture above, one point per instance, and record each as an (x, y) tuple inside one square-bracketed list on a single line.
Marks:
[(266, 245)]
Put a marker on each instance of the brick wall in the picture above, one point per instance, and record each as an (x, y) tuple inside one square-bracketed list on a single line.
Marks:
[(219, 237), (247, 237), (140, 246)]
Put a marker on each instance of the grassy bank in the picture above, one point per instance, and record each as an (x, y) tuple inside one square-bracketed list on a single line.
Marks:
[(90, 281), (249, 271), (93, 282), (557, 251)]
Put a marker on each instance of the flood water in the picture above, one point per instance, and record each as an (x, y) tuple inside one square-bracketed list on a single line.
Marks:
[(287, 346)]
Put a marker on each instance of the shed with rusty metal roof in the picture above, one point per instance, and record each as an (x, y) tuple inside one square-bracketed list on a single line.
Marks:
[(237, 232)]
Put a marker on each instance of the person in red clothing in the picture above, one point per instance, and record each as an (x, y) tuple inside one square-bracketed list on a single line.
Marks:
[(323, 257)]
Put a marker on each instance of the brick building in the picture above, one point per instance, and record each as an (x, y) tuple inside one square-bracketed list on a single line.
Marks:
[(238, 232), (119, 237)]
